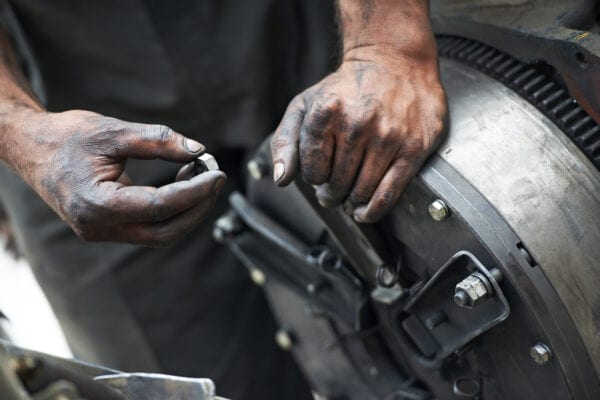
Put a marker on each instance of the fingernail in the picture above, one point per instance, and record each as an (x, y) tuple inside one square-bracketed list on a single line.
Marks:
[(358, 218), (193, 146), (278, 171)]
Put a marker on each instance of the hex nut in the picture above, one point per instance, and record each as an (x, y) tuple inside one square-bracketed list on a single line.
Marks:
[(541, 353), (471, 291), (206, 162), (438, 210)]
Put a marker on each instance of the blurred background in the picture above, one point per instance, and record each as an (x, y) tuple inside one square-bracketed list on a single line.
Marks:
[(31, 323)]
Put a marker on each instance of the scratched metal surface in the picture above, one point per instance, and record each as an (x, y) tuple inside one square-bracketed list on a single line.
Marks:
[(545, 188)]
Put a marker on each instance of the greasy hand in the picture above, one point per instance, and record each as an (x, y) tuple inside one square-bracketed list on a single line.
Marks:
[(362, 132), (75, 160)]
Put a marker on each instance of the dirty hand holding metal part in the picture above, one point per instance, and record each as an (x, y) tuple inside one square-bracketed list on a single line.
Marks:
[(363, 132), (75, 160)]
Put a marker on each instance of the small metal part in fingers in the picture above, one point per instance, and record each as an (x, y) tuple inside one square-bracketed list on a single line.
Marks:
[(206, 162)]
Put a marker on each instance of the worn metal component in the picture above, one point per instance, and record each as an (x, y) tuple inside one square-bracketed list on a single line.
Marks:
[(438, 210), (524, 165), (145, 386), (472, 290), (258, 277), (206, 162), (540, 353), (284, 339), (227, 225), (387, 276), (466, 388), (504, 168)]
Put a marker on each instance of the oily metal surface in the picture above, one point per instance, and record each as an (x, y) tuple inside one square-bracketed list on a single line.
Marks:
[(546, 189)]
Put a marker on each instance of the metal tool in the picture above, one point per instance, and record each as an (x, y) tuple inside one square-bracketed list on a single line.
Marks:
[(145, 386)]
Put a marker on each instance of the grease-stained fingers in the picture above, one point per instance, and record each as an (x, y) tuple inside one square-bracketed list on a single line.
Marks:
[(115, 204), (145, 141), (346, 162), (317, 142), (284, 144), (377, 160), (160, 234), (388, 191)]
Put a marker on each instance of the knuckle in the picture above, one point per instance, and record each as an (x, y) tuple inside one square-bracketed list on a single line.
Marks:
[(353, 137), (164, 134), (415, 148)]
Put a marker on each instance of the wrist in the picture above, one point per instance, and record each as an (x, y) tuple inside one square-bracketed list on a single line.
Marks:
[(19, 125), (388, 31)]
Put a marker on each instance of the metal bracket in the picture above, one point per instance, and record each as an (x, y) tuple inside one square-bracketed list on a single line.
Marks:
[(437, 325)]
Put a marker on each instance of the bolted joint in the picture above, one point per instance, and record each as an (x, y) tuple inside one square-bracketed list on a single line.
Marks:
[(285, 339), (438, 210), (541, 353), (472, 290)]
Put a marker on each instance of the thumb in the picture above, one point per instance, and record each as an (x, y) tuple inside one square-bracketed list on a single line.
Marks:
[(284, 144)]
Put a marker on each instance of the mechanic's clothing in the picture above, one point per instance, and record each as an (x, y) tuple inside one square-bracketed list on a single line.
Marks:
[(220, 71)]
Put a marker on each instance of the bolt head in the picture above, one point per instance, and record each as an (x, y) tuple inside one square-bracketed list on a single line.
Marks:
[(258, 277), (541, 353), (438, 210), (284, 340), (470, 292), (257, 169)]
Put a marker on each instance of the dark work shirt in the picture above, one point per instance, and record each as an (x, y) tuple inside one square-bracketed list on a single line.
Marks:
[(220, 71)]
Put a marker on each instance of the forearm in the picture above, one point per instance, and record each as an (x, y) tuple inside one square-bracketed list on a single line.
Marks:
[(392, 29), (17, 101)]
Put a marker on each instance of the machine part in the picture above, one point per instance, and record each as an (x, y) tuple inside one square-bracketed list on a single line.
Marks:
[(436, 326), (29, 375), (225, 226), (503, 171), (466, 388), (144, 386), (284, 339), (387, 276), (540, 353), (474, 289), (438, 210), (205, 162), (360, 244), (257, 168), (543, 51), (258, 277)]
